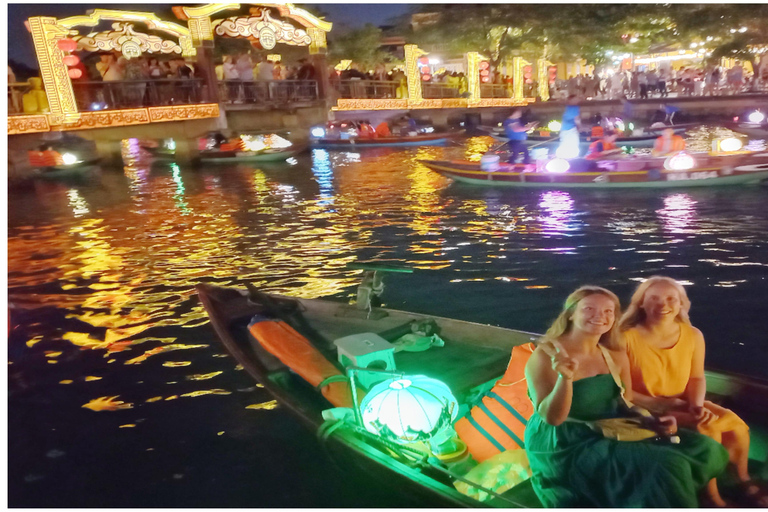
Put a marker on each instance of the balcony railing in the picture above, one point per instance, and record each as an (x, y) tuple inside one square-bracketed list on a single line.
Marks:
[(123, 94), (367, 89), (439, 90), (268, 92)]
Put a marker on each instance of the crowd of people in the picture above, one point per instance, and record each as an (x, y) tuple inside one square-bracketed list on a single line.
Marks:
[(706, 80)]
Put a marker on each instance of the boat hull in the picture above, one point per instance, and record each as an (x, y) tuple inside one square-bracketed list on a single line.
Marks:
[(640, 141), (632, 173), (416, 140), (247, 156)]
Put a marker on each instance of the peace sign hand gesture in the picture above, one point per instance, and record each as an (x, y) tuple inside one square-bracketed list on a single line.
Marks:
[(562, 363)]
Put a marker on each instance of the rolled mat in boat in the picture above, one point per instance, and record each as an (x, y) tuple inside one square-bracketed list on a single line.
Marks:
[(296, 352)]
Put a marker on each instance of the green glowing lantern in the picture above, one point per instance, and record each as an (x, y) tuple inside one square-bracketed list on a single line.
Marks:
[(410, 409)]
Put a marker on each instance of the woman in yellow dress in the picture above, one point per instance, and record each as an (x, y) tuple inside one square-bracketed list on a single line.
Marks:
[(666, 358)]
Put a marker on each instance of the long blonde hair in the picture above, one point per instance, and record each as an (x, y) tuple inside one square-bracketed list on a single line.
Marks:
[(636, 315), (563, 323)]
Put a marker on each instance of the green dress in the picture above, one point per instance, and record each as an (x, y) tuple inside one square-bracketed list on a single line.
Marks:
[(574, 466)]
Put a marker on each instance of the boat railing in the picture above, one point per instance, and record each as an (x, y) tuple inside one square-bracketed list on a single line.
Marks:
[(367, 89), (268, 92), (15, 92)]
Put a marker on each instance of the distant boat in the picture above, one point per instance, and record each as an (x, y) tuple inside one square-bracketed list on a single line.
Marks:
[(64, 157), (265, 155), (646, 139), (401, 140), (640, 172), (253, 147)]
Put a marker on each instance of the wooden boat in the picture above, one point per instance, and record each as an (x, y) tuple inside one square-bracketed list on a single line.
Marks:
[(265, 155), (633, 171), (473, 357), (404, 140), (65, 157), (752, 130), (78, 170), (645, 140)]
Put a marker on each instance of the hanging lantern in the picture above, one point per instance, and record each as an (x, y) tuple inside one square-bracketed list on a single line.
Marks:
[(74, 73), (67, 44), (409, 409), (71, 60)]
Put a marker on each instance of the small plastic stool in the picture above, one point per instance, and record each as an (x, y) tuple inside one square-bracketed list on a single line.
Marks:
[(367, 350)]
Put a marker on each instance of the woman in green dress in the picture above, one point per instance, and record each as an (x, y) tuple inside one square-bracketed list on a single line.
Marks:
[(571, 383)]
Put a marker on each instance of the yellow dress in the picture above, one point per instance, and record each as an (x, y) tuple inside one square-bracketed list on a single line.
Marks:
[(664, 372)]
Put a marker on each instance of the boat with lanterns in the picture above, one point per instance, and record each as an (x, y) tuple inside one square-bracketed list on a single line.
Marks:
[(683, 169), (754, 126), (350, 133), (63, 156), (386, 391), (216, 147), (631, 137)]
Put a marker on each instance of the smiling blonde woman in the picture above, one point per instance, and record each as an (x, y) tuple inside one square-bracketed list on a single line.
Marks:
[(666, 359)]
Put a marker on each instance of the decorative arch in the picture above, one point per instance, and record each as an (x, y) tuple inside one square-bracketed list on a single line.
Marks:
[(260, 27), (47, 32)]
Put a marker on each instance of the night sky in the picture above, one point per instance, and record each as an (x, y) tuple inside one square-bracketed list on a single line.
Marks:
[(20, 49)]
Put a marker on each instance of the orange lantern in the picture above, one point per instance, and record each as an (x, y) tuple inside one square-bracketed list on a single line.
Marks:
[(71, 60), (67, 44)]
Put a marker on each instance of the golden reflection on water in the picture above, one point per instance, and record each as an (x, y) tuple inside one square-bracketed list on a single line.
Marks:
[(123, 258)]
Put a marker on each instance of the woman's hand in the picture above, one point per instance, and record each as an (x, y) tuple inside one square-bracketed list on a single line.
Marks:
[(562, 363), (702, 415), (663, 405), (667, 425)]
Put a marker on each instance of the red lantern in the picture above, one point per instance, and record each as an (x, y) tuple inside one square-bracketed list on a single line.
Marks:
[(74, 73), (71, 60), (423, 61), (484, 64), (426, 78), (67, 44), (425, 69)]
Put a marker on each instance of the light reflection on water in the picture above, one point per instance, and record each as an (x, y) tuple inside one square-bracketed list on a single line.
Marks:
[(108, 267)]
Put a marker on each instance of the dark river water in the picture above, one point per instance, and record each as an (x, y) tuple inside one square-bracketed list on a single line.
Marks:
[(120, 396)]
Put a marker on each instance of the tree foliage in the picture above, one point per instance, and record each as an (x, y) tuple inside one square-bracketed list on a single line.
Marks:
[(360, 46), (563, 32)]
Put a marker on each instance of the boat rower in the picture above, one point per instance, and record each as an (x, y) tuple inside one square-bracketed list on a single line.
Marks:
[(668, 144), (604, 147)]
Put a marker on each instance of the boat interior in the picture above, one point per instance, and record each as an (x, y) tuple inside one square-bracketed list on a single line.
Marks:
[(472, 357)]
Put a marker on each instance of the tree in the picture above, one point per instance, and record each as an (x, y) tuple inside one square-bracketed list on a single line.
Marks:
[(362, 46)]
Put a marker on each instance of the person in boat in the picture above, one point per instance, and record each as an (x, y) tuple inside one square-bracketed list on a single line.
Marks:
[(517, 132), (666, 360), (382, 130), (668, 143), (366, 131), (605, 147), (573, 378), (571, 123)]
